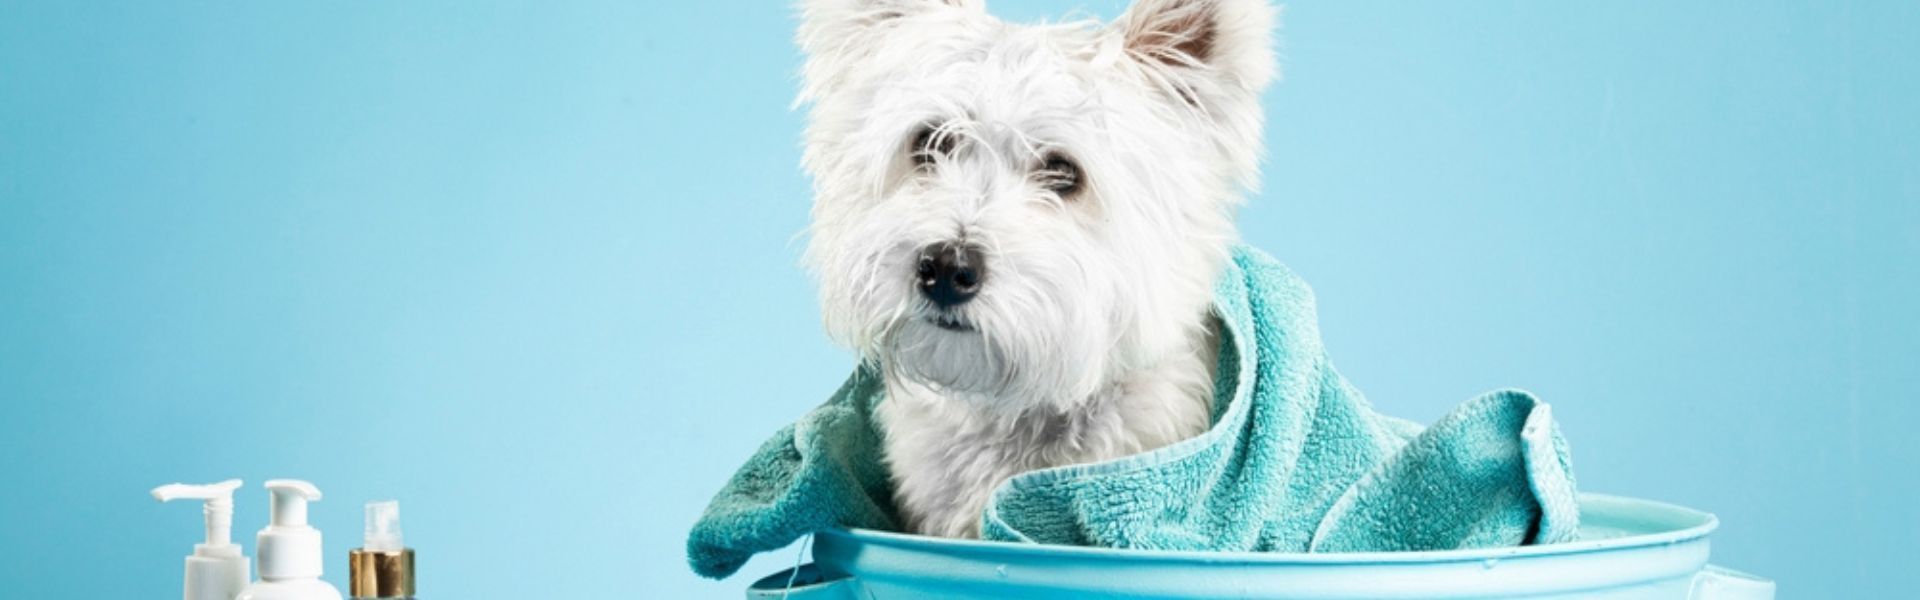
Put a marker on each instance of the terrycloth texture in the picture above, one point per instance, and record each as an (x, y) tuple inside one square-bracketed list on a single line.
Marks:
[(1296, 461)]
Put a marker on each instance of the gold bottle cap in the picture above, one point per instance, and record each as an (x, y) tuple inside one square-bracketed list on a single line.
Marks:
[(380, 573)]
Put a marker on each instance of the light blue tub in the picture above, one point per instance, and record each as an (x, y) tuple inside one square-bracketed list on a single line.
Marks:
[(1631, 549)]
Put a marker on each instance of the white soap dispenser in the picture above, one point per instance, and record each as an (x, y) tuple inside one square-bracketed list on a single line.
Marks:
[(216, 570), (290, 551)]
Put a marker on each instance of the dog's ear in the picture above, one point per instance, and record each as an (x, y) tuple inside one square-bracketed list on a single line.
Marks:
[(835, 34), (1203, 46)]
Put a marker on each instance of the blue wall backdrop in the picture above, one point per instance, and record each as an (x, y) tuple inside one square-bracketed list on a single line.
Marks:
[(531, 268)]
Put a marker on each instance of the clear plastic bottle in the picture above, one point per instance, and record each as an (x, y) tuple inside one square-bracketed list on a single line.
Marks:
[(382, 567)]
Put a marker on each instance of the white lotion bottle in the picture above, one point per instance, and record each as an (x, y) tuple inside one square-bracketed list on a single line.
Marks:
[(290, 550), (216, 570)]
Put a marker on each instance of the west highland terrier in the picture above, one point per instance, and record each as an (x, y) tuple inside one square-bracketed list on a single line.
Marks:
[(1021, 226)]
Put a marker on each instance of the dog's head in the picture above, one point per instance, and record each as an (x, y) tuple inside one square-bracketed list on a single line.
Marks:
[(1024, 213)]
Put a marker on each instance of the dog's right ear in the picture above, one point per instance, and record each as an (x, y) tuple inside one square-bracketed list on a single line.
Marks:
[(1204, 47), (837, 34)]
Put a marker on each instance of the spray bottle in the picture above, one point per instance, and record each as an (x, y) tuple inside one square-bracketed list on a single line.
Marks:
[(290, 550), (382, 567), (216, 570)]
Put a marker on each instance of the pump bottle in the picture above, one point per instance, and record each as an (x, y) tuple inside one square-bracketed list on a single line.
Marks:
[(216, 570), (290, 550)]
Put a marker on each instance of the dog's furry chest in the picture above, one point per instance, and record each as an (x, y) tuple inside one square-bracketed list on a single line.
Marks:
[(946, 455)]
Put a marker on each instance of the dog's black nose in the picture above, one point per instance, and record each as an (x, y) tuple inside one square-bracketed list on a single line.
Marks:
[(950, 274)]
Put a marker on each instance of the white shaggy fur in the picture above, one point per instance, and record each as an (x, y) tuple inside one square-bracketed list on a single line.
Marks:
[(1090, 336)]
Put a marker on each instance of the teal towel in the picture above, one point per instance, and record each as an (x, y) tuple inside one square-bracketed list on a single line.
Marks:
[(1296, 461)]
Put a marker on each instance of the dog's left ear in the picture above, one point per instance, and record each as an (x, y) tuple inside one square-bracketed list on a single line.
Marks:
[(1204, 46)]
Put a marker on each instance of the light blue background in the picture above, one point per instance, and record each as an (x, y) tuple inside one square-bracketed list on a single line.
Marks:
[(532, 269)]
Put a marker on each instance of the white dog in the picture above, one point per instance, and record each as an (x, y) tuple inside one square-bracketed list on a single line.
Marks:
[(1020, 226)]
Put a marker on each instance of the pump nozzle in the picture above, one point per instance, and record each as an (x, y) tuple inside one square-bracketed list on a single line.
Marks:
[(218, 508), (383, 527), (289, 549), (290, 497), (216, 570)]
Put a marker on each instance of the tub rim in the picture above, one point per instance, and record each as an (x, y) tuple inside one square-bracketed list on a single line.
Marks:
[(1679, 525)]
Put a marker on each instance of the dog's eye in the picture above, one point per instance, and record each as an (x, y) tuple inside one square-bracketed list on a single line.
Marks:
[(929, 144), (1060, 175)]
